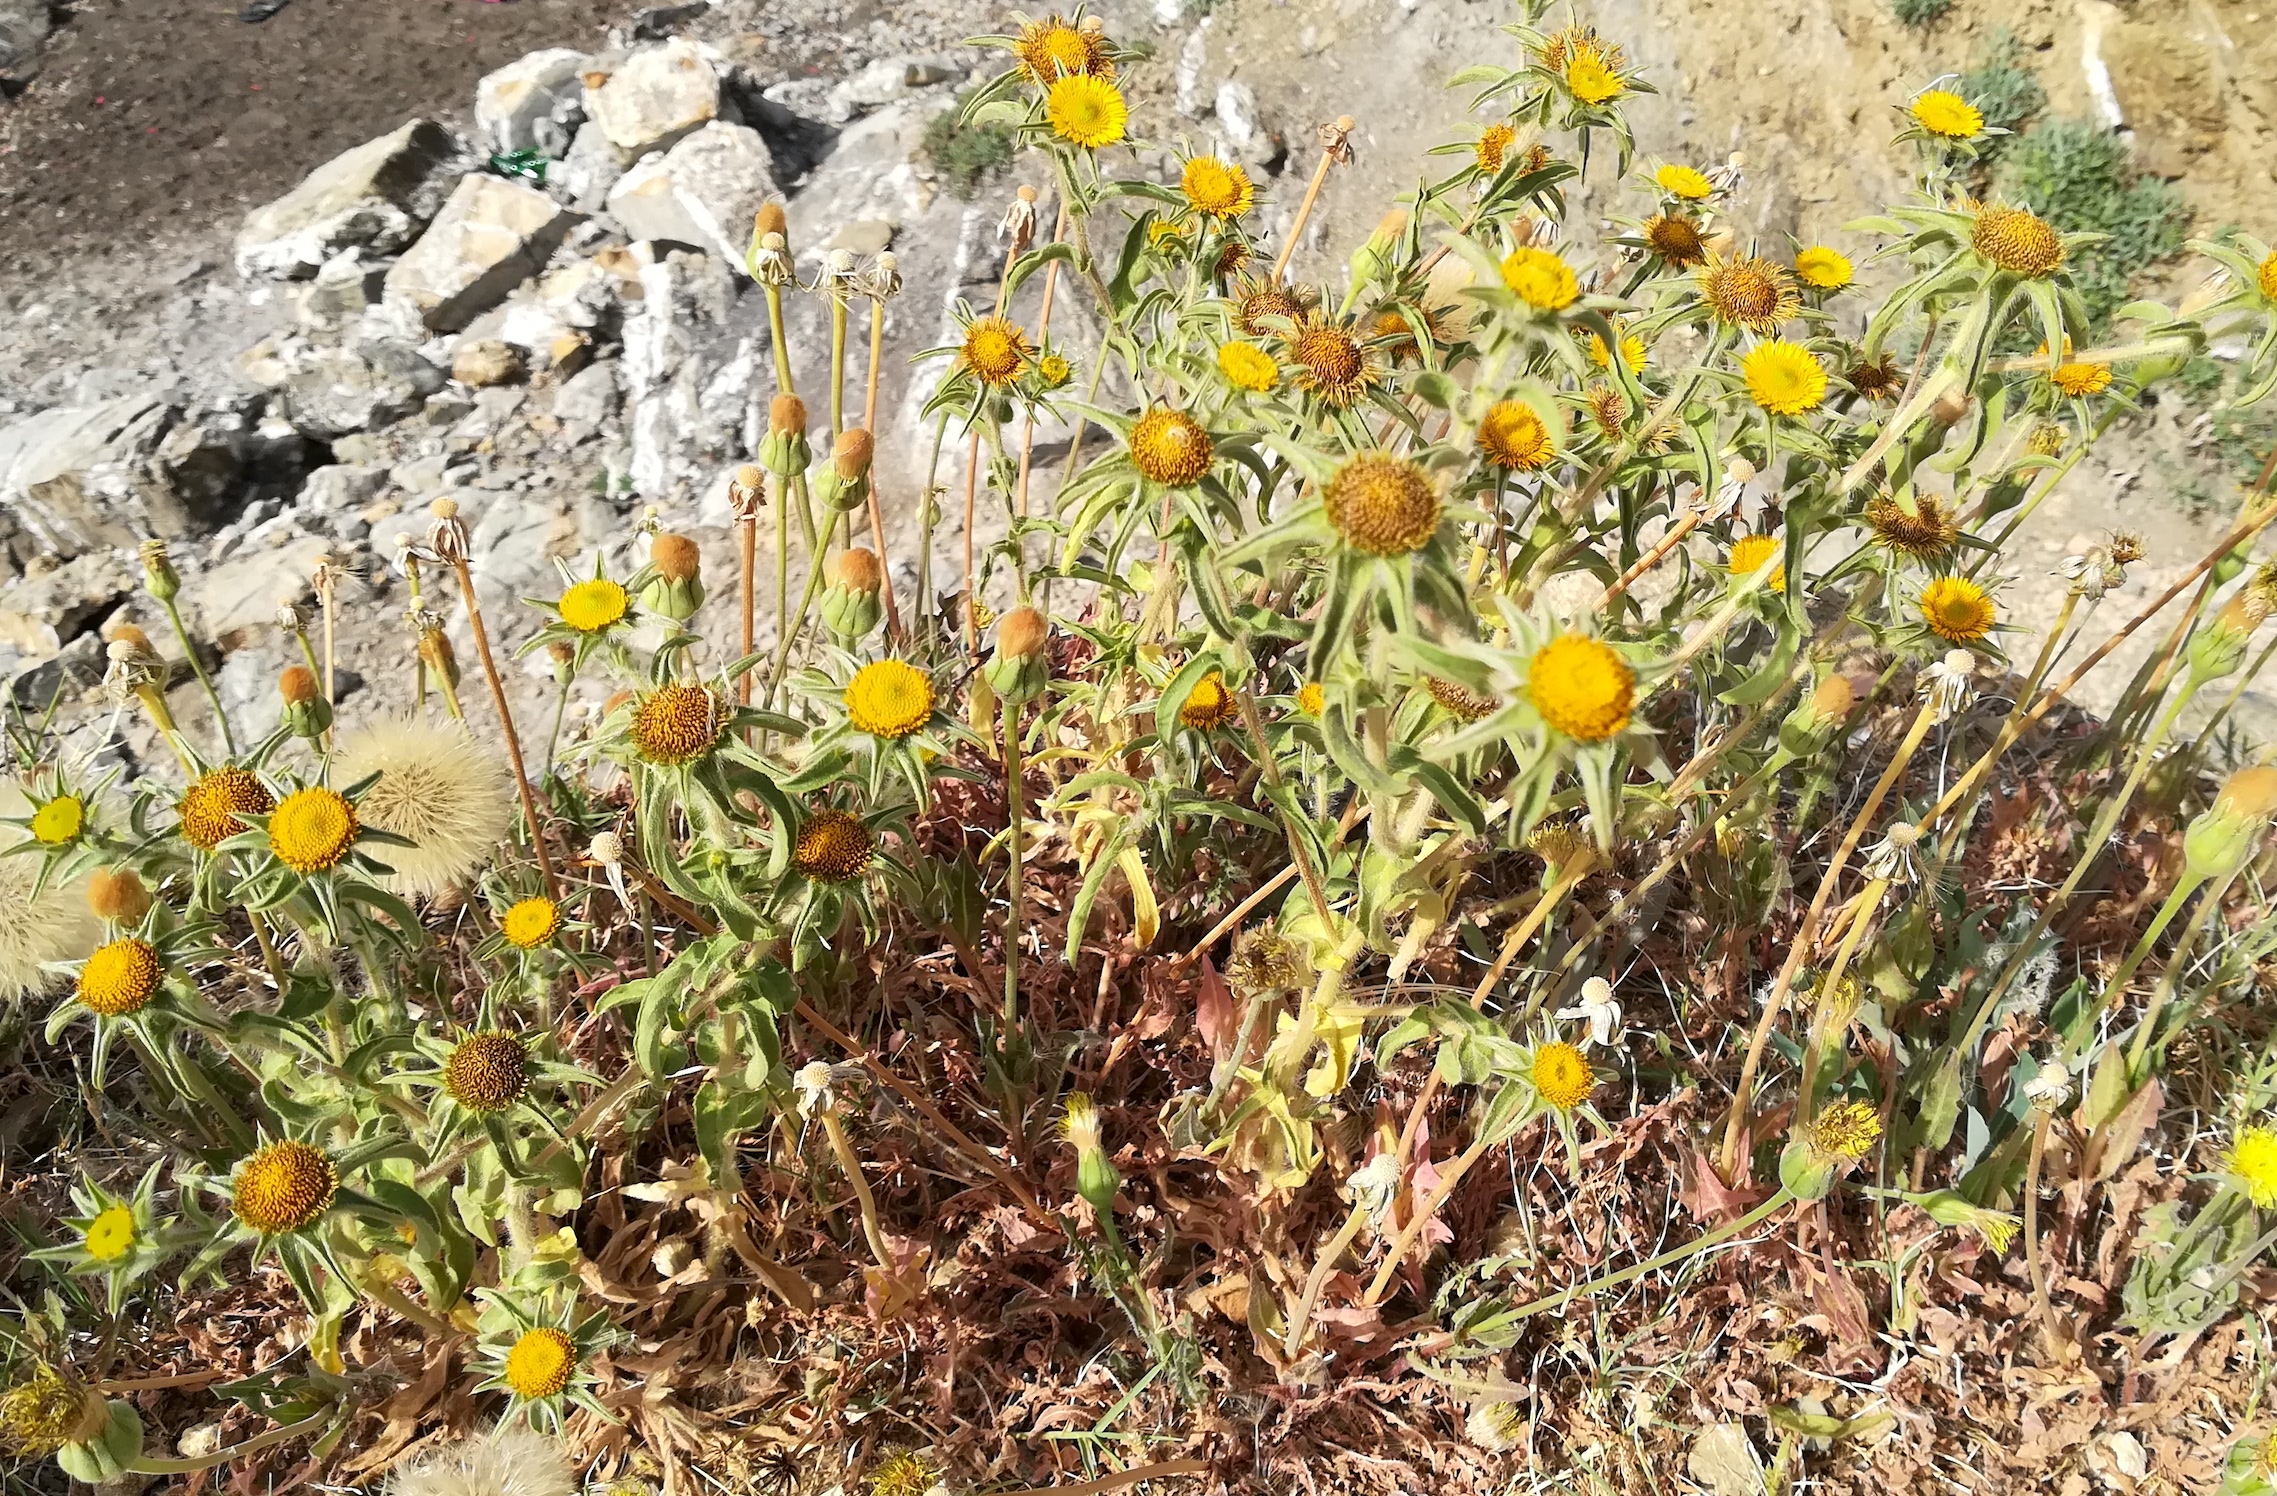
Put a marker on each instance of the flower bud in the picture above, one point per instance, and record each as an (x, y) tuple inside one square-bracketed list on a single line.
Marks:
[(1372, 260), (843, 484), (563, 656), (1810, 724), (307, 713), (785, 452), (117, 894), (1095, 1177), (1997, 1228), (1952, 407), (436, 654), (159, 578), (769, 256), (675, 589), (2219, 649), (850, 607), (1021, 670), (107, 1441), (1827, 1147), (2218, 842)]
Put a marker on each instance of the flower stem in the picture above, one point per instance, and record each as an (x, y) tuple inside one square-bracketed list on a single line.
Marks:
[(1012, 913), (506, 720), (197, 666)]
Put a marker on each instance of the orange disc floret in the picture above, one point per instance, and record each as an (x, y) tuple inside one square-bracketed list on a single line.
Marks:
[(2017, 240), (541, 1363), (487, 1072), (210, 808), (1582, 687), (1562, 1076), (1383, 504), (834, 846), (283, 1187), (1170, 447), (531, 922), (889, 699), (675, 723), (1209, 705)]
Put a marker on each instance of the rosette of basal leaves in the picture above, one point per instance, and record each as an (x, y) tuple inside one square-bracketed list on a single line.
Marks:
[(118, 1238), (1570, 696), (1375, 525), (718, 1004), (2250, 305)]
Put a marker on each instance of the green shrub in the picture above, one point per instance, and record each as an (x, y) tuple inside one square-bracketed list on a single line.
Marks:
[(2079, 175), (2004, 90), (966, 155), (1920, 12)]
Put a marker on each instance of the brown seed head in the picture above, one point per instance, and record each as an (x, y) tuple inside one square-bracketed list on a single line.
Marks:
[(786, 413), (1834, 698), (851, 453), (676, 557), (561, 651), (444, 509), (2251, 793), (127, 633), (1021, 633), (770, 219), (297, 685), (857, 570), (117, 894)]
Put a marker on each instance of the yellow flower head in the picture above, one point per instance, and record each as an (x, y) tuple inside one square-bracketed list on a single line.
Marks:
[(2017, 240), (1947, 115), (59, 820), (1512, 435), (2252, 1165), (1051, 49), (111, 1235), (1582, 687), (2079, 380), (833, 847), (1330, 361), (1750, 551), (889, 699), (1494, 143), (530, 923), (1562, 1076), (1217, 189), (2268, 277), (311, 829), (1541, 278), (905, 1472), (1957, 610), (41, 1413), (677, 723), (1086, 111), (1247, 366), (1784, 378), (1383, 504), (119, 979), (1824, 269), (1632, 350), (1675, 240), (1749, 292), (1847, 1130), (593, 605), (1170, 447), (210, 808), (994, 351), (283, 1187), (1683, 182), (1592, 73), (1209, 705), (487, 1072), (540, 1363), (1311, 699), (1052, 371)]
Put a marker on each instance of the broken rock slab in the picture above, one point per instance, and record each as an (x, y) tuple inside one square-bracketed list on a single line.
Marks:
[(76, 478), (490, 237), (658, 96), (701, 193), (535, 103), (24, 28), (375, 197), (328, 392)]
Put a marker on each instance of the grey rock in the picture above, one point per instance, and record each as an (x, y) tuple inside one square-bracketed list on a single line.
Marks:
[(76, 477), (658, 96), (689, 378), (375, 197), (660, 21), (330, 392), (341, 488), (24, 28), (235, 601), (486, 362), (589, 170), (40, 614), (882, 82), (865, 236), (535, 103), (586, 401), (703, 192), (344, 286), (1247, 135), (421, 475), (492, 235), (71, 672)]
